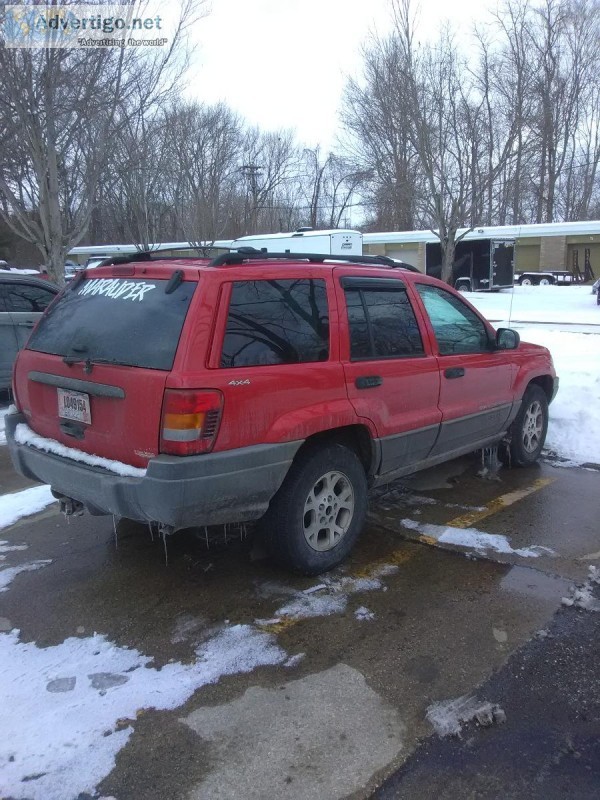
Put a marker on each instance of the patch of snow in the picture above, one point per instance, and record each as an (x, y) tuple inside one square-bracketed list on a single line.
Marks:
[(8, 574), (475, 540), (293, 661), (24, 435), (313, 605), (22, 504), (68, 709), (584, 597), (326, 598), (576, 354), (448, 716), (363, 613)]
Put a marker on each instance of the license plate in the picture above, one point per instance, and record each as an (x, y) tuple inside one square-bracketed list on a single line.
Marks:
[(75, 406)]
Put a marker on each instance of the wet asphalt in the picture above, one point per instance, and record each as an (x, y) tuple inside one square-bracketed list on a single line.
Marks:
[(347, 718)]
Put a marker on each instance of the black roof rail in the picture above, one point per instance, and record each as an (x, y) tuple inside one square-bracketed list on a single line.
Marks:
[(146, 255), (250, 254)]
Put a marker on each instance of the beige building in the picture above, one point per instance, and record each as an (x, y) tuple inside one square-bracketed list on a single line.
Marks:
[(537, 247)]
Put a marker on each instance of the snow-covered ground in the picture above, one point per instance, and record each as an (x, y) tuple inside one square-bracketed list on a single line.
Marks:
[(570, 329)]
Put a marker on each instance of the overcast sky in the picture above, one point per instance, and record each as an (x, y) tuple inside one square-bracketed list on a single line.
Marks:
[(284, 63)]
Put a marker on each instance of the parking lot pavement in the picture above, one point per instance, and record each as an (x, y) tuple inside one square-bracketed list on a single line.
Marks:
[(221, 676)]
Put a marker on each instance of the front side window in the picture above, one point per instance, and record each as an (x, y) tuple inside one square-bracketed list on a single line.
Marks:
[(382, 323), (26, 297), (276, 322), (457, 329)]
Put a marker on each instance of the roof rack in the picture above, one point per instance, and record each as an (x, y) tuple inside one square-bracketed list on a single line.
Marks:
[(146, 255), (251, 254)]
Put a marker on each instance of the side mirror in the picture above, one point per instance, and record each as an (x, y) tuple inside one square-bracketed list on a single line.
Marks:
[(507, 339)]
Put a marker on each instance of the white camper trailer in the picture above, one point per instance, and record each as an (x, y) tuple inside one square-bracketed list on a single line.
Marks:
[(306, 240)]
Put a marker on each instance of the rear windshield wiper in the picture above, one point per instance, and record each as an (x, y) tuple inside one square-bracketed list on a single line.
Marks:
[(88, 362)]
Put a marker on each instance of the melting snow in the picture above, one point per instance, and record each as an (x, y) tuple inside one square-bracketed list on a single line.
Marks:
[(68, 709), (24, 435), (584, 597), (22, 504), (8, 574), (331, 596), (474, 539), (448, 717)]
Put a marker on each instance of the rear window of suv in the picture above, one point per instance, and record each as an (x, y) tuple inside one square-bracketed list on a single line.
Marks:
[(276, 322), (127, 321)]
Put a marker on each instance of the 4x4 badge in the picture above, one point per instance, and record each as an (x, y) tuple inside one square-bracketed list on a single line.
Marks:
[(240, 383)]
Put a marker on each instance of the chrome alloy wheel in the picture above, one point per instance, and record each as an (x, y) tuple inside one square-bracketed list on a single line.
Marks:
[(328, 511), (533, 426)]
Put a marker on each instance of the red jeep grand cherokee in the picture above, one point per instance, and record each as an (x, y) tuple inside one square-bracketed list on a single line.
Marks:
[(275, 387)]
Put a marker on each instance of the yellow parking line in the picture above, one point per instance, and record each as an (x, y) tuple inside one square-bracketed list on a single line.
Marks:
[(498, 504)]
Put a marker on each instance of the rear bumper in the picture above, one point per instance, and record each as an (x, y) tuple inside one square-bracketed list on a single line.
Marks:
[(230, 486)]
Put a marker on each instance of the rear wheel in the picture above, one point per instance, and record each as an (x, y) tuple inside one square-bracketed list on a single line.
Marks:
[(546, 281), (526, 282), (530, 427), (318, 513)]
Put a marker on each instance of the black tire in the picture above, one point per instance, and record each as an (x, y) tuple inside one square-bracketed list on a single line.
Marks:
[(528, 431), (525, 281), (318, 473)]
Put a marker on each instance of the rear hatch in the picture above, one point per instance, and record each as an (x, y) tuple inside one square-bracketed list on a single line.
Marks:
[(93, 374)]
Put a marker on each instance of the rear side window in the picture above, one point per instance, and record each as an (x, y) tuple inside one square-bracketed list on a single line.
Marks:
[(116, 320), (27, 297), (382, 324), (276, 322)]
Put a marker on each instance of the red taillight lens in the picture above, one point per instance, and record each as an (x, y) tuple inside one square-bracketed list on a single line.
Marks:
[(190, 421)]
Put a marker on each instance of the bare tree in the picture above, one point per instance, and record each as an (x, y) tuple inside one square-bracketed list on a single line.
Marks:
[(205, 145), (327, 187), (59, 110), (378, 143)]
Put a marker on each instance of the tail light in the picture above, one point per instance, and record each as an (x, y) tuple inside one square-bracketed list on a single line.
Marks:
[(190, 421)]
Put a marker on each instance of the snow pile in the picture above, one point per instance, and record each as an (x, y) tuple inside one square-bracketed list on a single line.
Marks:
[(448, 717), (22, 504), (473, 539), (363, 613), (572, 432), (68, 709), (584, 597), (576, 355), (24, 435)]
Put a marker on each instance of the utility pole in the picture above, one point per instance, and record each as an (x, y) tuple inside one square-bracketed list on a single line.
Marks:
[(251, 172)]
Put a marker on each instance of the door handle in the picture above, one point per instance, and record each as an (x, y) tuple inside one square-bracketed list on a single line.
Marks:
[(454, 372), (26, 324), (368, 381)]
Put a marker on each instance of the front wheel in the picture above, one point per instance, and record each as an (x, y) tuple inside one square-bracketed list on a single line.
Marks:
[(319, 511), (530, 427)]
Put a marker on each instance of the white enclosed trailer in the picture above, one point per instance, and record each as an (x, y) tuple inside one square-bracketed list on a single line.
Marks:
[(331, 242)]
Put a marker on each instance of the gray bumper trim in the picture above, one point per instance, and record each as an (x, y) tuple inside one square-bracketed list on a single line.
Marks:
[(229, 486)]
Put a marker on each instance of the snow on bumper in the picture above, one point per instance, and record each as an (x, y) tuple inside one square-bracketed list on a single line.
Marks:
[(230, 486)]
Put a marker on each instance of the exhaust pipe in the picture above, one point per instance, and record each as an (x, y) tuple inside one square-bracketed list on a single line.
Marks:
[(70, 507)]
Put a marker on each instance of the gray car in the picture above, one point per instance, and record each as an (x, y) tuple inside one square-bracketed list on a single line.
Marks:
[(23, 298)]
